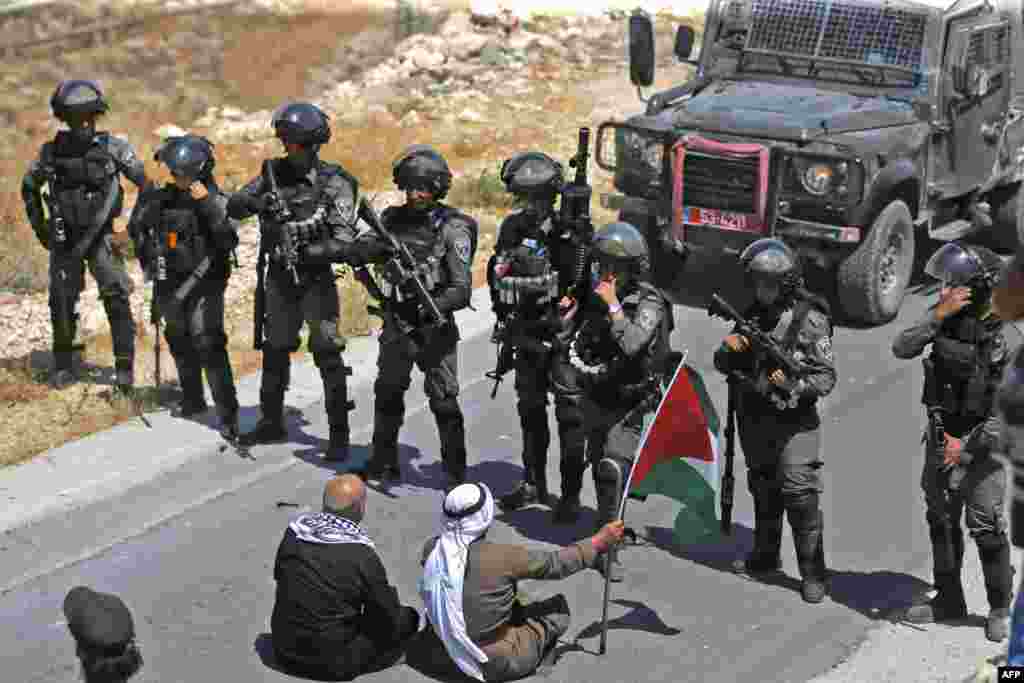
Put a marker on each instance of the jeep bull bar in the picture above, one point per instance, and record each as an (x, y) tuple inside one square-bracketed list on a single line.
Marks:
[(749, 189)]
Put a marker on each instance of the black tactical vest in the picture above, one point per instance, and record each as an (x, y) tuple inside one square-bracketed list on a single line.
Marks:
[(183, 237), (613, 376), (423, 234), (968, 356), (305, 201), (84, 170)]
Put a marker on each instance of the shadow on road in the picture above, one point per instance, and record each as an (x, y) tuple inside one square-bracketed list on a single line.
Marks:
[(639, 618), (879, 595)]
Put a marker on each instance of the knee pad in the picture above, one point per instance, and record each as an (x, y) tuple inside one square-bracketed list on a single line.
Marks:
[(762, 480), (276, 360), (609, 470), (214, 341), (990, 541), (390, 404), (179, 345), (330, 360), (569, 413), (800, 500), (445, 407)]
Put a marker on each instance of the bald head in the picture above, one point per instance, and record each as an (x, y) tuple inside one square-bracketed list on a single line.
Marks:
[(346, 496)]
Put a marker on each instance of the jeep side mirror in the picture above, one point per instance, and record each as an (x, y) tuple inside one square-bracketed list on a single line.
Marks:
[(641, 49), (684, 42)]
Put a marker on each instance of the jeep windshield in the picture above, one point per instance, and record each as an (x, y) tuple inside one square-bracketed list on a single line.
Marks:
[(873, 44)]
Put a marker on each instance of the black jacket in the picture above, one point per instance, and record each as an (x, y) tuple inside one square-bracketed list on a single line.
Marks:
[(327, 593)]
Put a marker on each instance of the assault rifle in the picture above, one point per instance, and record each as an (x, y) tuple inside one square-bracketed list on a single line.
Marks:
[(728, 480), (761, 342), (279, 212), (574, 213), (510, 335), (403, 264), (936, 437)]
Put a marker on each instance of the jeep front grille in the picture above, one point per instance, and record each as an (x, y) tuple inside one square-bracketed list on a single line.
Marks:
[(715, 182), (846, 30)]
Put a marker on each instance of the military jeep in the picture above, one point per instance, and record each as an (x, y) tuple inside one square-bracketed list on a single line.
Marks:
[(839, 126)]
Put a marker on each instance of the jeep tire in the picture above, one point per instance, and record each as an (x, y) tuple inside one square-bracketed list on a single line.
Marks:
[(872, 281)]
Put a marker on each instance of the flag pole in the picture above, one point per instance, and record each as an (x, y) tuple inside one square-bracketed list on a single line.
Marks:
[(623, 489)]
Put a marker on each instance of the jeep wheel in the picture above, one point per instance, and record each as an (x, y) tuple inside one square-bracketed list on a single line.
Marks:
[(873, 279)]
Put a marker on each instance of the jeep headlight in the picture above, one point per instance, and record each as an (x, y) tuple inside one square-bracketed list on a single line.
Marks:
[(821, 177), (639, 155)]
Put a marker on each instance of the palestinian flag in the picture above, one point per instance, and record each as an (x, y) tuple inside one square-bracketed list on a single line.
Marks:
[(678, 457)]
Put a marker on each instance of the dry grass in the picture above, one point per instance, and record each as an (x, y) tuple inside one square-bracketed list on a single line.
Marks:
[(258, 56)]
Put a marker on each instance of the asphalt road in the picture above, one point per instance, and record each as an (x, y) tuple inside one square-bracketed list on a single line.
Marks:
[(200, 583)]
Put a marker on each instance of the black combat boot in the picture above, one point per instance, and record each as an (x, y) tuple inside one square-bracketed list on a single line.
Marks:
[(63, 347), (452, 434), (335, 378), (949, 603), (190, 377), (994, 552), (608, 483), (122, 333), (222, 385), (124, 376), (276, 376), (805, 519), (569, 508), (533, 489), (765, 558), (63, 369), (383, 464)]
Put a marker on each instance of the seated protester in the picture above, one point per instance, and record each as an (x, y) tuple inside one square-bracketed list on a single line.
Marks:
[(469, 589), (105, 635), (335, 615)]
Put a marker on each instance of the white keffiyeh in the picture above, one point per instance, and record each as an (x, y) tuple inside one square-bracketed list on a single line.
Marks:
[(467, 513)]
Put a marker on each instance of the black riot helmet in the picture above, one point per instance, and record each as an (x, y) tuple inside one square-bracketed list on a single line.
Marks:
[(621, 247), (77, 97), (771, 259), (190, 156), (301, 123), (956, 264), (421, 167), (532, 174)]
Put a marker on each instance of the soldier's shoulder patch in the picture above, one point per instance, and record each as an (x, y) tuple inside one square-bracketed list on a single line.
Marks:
[(345, 207), (818, 323), (463, 247), (647, 317), (825, 348)]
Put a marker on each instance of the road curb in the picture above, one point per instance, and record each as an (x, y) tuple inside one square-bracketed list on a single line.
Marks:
[(107, 463)]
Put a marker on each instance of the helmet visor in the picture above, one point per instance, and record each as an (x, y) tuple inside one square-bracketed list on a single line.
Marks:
[(953, 266), (78, 92)]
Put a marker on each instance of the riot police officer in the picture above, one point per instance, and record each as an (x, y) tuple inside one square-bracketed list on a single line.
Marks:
[(777, 416), (307, 210), (966, 363), (184, 239), (1008, 304), (530, 277), (621, 347), (442, 241), (82, 167)]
